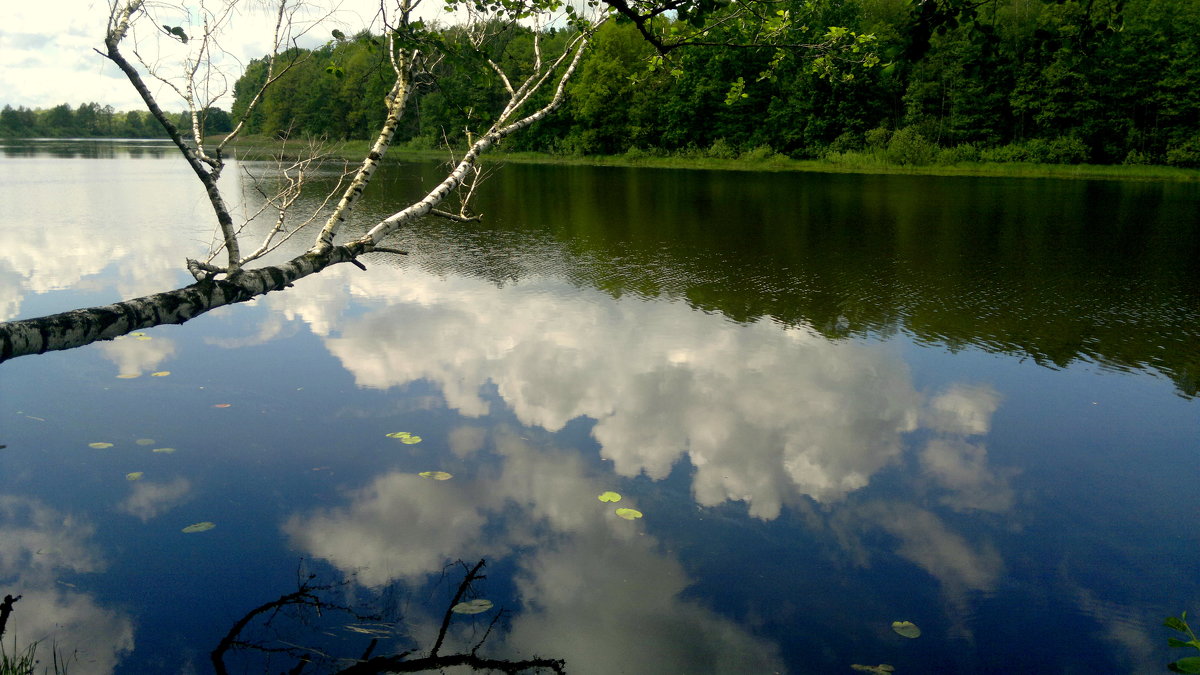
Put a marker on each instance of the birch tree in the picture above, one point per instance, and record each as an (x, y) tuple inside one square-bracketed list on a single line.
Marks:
[(230, 274), (411, 50)]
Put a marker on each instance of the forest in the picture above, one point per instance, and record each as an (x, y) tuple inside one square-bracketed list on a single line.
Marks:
[(92, 120), (1051, 81)]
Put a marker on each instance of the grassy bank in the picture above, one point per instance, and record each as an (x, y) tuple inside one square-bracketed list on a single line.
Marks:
[(258, 148)]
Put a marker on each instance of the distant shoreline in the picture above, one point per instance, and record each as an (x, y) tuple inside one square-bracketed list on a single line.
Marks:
[(260, 148)]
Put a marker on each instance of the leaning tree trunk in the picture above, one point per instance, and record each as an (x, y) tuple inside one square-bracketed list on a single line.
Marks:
[(80, 327)]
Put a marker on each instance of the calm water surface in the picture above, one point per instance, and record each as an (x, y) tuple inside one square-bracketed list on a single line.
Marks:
[(839, 402)]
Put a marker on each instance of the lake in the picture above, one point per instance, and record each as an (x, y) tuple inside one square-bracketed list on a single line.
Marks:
[(837, 402)]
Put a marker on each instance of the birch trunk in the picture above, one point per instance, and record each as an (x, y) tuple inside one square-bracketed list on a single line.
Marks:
[(84, 326)]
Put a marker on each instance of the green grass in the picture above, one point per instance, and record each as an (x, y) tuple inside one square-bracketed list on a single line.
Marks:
[(25, 661), (261, 148)]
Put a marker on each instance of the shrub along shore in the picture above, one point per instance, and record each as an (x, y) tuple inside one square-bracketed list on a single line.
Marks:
[(897, 156)]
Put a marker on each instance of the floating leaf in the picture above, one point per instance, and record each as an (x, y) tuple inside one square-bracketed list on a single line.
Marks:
[(906, 629), (629, 514), (222, 405), (411, 440), (609, 496), (1188, 664), (145, 441), (476, 606), (199, 527), (436, 475), (128, 376), (134, 475), (165, 451), (161, 373), (99, 446)]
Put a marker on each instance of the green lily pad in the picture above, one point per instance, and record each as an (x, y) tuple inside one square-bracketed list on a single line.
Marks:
[(629, 514), (161, 373), (476, 606), (100, 446), (906, 629), (163, 451), (199, 527), (133, 475), (609, 496), (436, 475), (405, 437), (145, 441)]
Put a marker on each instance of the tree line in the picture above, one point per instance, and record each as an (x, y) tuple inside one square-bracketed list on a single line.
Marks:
[(92, 120), (1065, 81), (1058, 81)]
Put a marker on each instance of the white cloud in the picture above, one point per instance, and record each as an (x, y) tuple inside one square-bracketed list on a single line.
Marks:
[(594, 589), (47, 52), (766, 414), (40, 543), (148, 499)]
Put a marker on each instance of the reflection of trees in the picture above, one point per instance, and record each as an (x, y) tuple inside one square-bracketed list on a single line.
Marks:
[(313, 601), (1058, 271)]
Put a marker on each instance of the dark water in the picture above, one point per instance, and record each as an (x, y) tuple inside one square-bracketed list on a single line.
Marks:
[(839, 402)]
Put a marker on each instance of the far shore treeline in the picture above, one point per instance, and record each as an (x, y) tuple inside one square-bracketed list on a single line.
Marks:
[(1057, 81), (92, 120)]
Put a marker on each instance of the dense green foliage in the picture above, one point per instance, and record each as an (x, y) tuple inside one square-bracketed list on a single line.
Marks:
[(1047, 81), (1010, 80), (91, 120)]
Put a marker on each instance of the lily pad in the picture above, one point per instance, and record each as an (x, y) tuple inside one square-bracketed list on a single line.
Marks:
[(134, 475), (128, 376), (609, 496), (436, 475), (163, 451), (145, 441), (222, 405), (161, 373), (405, 437), (199, 527), (629, 514), (100, 446), (906, 629), (476, 606)]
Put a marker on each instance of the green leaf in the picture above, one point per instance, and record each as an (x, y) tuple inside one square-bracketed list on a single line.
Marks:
[(163, 451), (1175, 623), (436, 475), (906, 629), (199, 527), (629, 514), (609, 496), (100, 446), (1190, 664), (133, 475), (476, 606), (1176, 642), (145, 441)]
